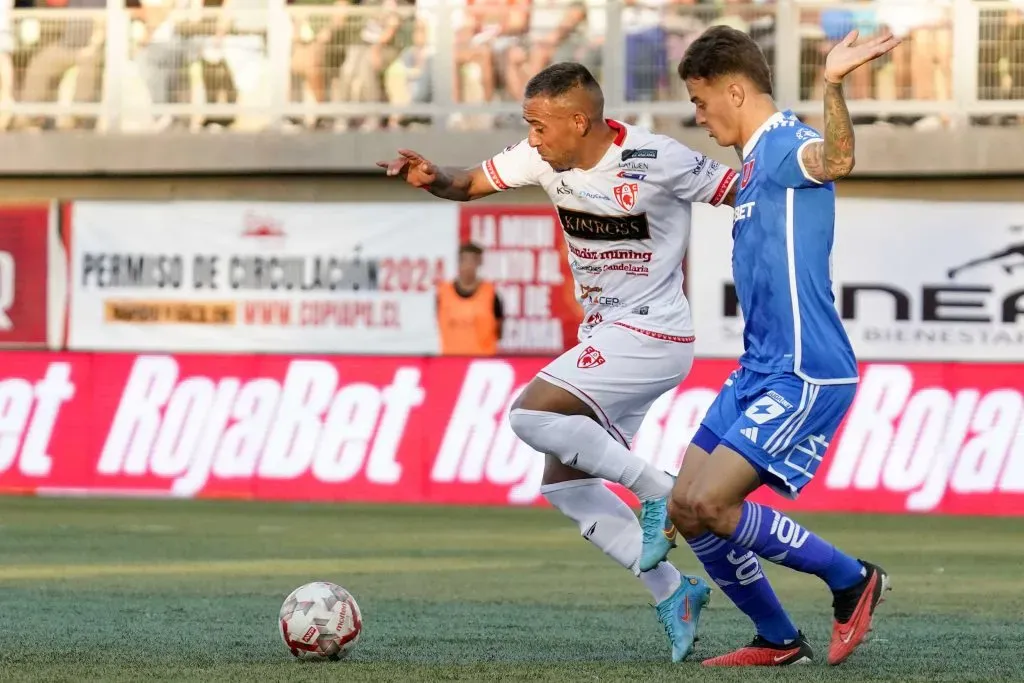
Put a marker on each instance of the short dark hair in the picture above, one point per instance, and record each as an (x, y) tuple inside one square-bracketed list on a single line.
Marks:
[(470, 248), (723, 50), (558, 79)]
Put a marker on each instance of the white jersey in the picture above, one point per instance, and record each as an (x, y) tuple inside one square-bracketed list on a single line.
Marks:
[(626, 223)]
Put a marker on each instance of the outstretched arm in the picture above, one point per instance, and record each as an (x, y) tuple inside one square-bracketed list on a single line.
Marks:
[(453, 184), (833, 157), (460, 185)]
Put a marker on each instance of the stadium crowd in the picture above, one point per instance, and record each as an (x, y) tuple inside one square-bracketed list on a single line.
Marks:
[(368, 51)]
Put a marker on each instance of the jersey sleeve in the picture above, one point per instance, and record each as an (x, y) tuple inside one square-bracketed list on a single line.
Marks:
[(695, 177), (784, 151), (517, 165)]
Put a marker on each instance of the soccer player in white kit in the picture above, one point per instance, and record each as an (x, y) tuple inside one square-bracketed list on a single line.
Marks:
[(623, 197)]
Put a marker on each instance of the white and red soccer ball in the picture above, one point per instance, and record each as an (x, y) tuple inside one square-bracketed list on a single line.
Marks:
[(320, 620)]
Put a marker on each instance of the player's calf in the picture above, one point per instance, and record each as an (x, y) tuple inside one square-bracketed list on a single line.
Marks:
[(607, 522), (736, 570), (602, 518), (718, 501)]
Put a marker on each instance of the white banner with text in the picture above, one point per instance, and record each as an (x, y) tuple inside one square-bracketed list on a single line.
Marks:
[(259, 277), (913, 280)]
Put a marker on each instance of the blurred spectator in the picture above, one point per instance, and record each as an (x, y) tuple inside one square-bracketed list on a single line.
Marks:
[(684, 22), (923, 64), (474, 77), (383, 51), (375, 29), (6, 61), (563, 31), (233, 59), (645, 55), (836, 24), (469, 310), (409, 79), (318, 50), (1001, 56), (78, 43), (511, 46), (165, 53), (490, 53)]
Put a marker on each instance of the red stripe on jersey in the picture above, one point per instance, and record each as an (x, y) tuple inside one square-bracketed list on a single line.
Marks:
[(492, 173), (723, 187), (620, 131), (659, 335)]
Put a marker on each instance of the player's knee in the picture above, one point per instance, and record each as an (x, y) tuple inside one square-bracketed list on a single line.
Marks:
[(710, 512), (537, 428), (682, 515), (523, 422)]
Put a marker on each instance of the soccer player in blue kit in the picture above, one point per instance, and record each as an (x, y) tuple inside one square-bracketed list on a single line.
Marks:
[(776, 414)]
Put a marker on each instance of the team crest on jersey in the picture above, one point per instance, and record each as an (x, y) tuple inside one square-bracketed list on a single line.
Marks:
[(590, 358), (626, 195), (748, 172)]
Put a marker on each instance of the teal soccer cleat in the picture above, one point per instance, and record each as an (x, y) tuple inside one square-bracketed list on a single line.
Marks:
[(680, 615), (659, 533)]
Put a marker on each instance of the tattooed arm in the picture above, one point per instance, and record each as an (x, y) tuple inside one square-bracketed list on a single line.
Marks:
[(832, 158), (518, 166)]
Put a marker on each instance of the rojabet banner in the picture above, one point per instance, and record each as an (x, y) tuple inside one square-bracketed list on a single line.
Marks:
[(920, 437)]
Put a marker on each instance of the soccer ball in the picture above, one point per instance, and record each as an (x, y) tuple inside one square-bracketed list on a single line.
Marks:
[(320, 620)]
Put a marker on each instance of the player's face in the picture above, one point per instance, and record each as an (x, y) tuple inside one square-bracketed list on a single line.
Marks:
[(553, 131), (716, 110)]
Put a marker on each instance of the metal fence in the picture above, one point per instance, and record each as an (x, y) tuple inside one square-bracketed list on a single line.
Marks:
[(259, 64)]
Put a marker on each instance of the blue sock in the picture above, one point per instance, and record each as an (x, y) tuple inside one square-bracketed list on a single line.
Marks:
[(738, 573), (779, 539)]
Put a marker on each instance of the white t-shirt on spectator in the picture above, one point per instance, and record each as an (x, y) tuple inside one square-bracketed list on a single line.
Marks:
[(429, 13), (6, 36), (643, 16), (903, 16)]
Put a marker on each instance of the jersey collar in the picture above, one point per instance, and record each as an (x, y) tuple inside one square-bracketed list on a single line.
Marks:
[(772, 120), (613, 149), (620, 131)]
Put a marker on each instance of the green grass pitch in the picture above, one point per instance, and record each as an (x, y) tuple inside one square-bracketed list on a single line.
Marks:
[(127, 590)]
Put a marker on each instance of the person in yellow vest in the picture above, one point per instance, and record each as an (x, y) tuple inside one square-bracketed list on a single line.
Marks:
[(469, 310)]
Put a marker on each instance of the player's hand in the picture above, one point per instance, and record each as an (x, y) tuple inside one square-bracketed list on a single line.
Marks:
[(412, 168), (848, 54)]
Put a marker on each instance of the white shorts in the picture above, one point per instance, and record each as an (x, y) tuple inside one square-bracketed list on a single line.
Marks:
[(619, 372)]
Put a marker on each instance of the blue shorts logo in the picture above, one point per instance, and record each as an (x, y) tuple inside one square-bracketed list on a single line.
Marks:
[(764, 409)]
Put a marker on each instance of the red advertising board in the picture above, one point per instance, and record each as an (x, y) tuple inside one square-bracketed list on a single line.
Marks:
[(525, 256), (24, 235), (928, 438)]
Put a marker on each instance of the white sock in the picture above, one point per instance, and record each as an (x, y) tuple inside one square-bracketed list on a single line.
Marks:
[(608, 523), (662, 581), (583, 444)]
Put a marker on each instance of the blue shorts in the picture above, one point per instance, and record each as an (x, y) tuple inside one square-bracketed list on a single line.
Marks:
[(781, 424)]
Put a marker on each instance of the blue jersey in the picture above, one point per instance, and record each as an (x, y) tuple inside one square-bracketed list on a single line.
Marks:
[(783, 231)]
